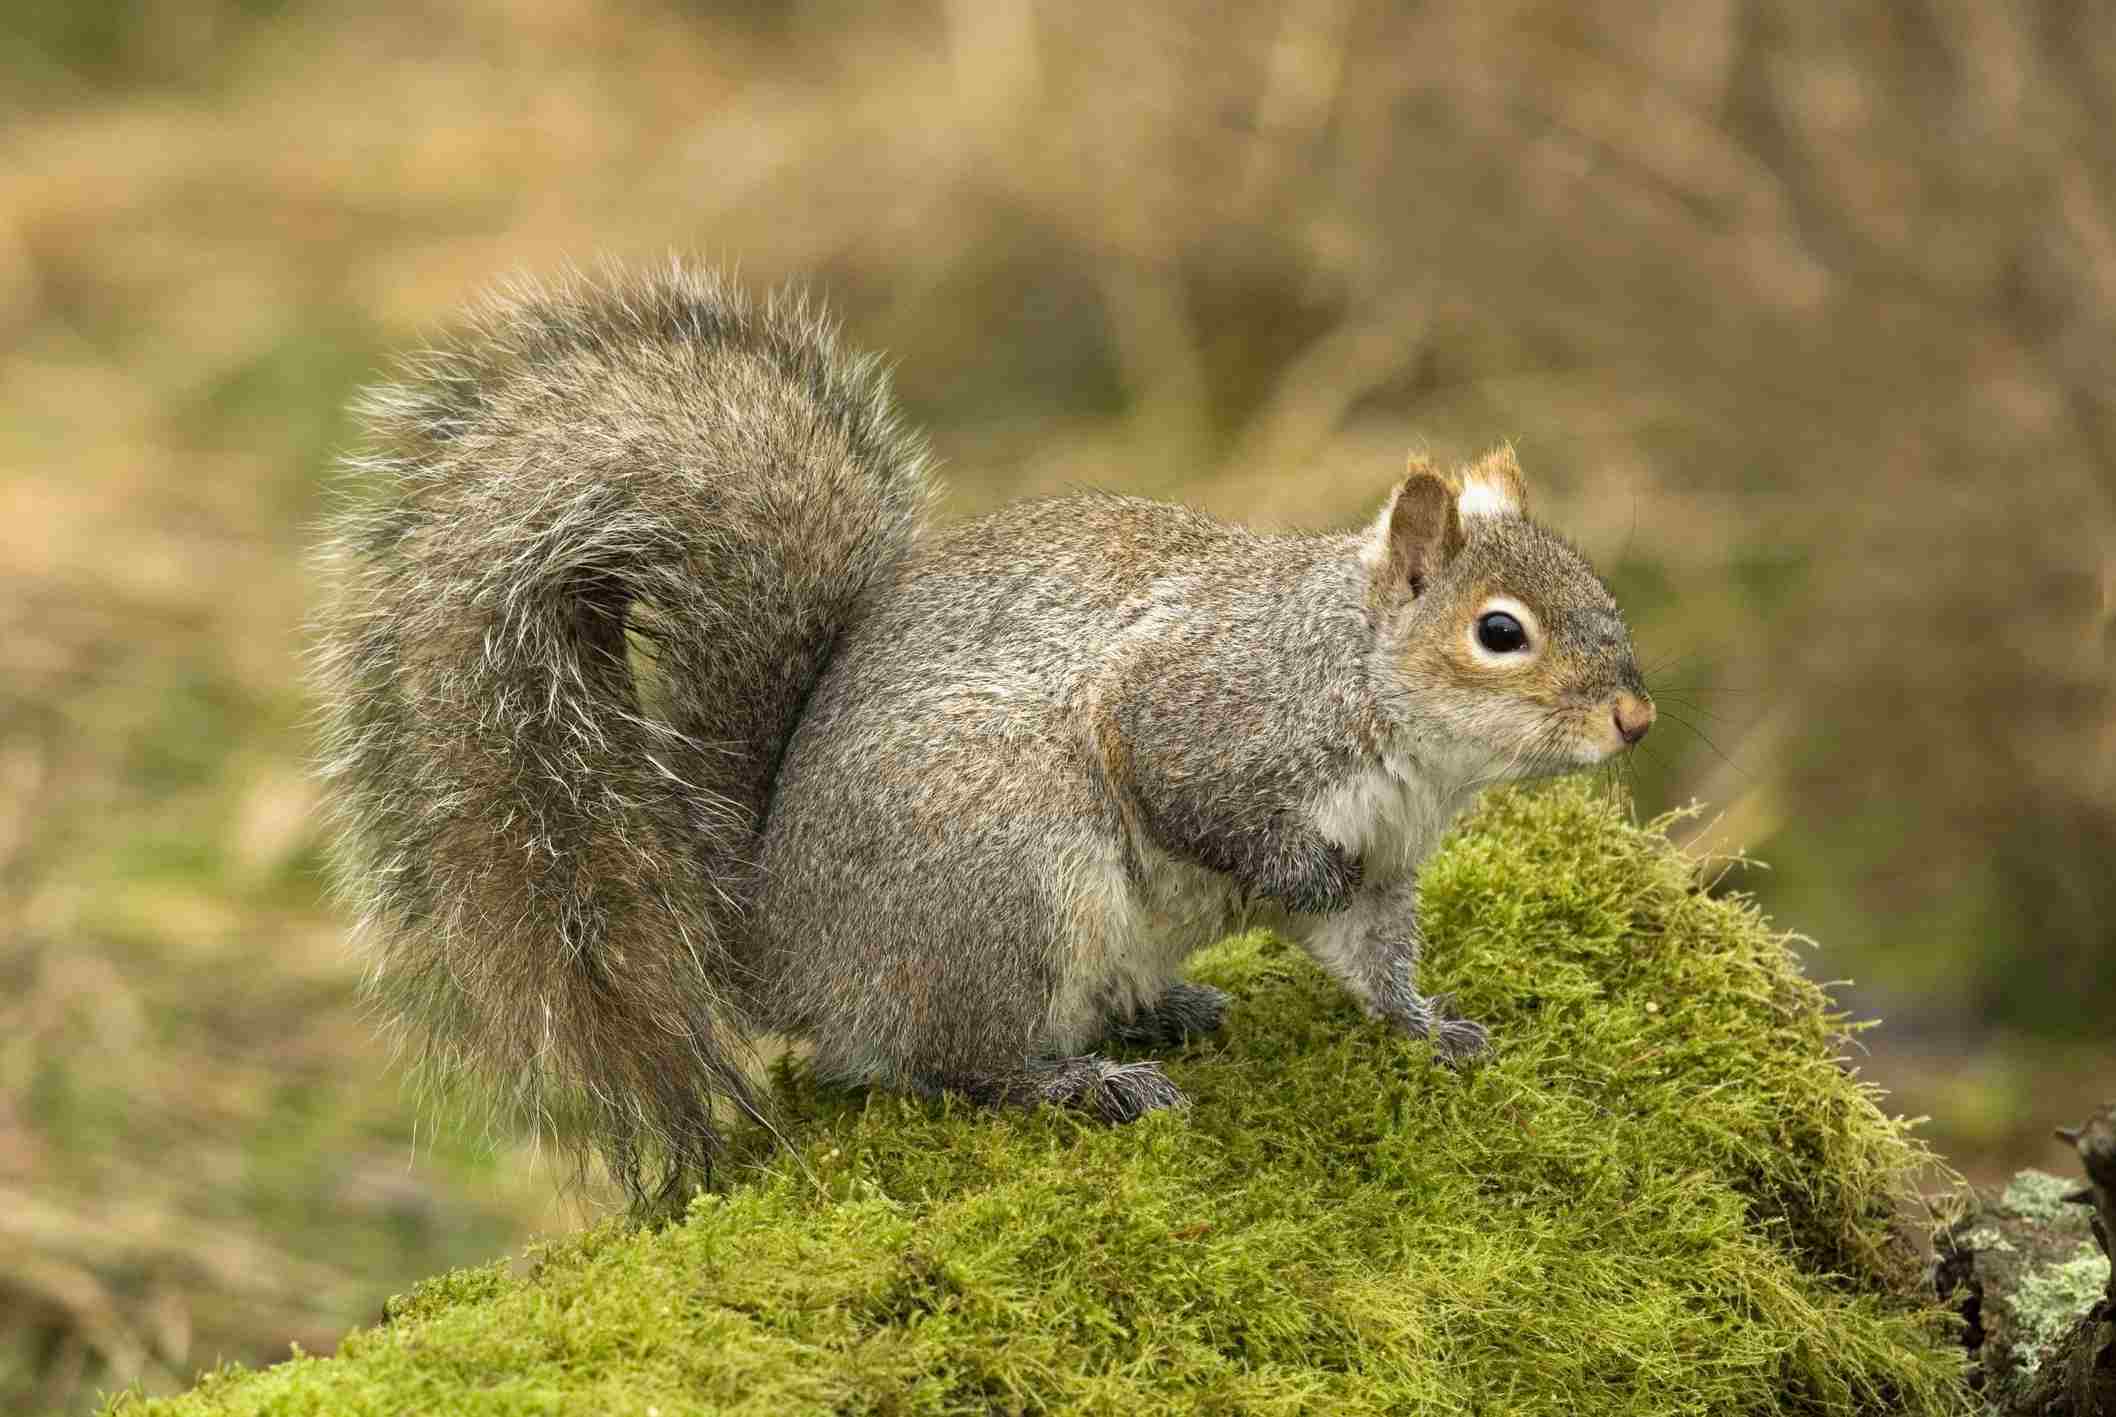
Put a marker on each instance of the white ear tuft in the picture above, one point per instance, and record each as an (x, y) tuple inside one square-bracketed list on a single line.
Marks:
[(1493, 487), (1485, 499)]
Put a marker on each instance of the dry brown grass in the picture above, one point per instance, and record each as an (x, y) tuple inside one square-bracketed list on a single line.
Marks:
[(1800, 316)]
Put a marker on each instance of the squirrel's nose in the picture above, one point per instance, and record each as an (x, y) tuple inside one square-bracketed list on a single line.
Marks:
[(1633, 714)]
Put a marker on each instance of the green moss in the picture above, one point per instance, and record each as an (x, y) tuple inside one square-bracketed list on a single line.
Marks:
[(1665, 1195)]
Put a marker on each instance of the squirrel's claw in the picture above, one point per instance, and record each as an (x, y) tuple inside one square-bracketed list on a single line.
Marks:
[(1456, 1042), (1459, 1042)]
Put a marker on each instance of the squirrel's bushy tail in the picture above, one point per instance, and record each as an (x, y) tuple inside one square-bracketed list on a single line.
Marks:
[(583, 581)]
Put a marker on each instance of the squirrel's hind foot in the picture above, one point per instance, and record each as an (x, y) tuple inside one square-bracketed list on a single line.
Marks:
[(1106, 1091), (1461, 1043), (1125, 1092), (1183, 1012)]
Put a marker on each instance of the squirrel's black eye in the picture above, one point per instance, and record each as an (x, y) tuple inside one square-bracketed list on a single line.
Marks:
[(1500, 633)]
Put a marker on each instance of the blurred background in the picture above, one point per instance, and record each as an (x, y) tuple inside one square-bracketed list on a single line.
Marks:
[(1801, 318)]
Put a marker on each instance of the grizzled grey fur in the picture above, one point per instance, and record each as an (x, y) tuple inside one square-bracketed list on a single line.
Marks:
[(657, 721)]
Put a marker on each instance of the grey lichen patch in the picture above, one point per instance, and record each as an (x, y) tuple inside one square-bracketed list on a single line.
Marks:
[(2052, 1298), (1986, 1239), (2037, 1195)]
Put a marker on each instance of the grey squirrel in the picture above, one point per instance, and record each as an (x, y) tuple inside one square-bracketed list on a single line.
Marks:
[(658, 719)]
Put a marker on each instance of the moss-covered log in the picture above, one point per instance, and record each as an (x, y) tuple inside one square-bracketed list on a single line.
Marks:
[(1666, 1195), (2030, 1272)]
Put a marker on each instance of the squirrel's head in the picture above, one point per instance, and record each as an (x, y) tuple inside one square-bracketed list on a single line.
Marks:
[(1505, 650)]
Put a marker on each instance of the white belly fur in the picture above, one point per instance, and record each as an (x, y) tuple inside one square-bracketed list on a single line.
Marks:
[(1390, 817), (1130, 938)]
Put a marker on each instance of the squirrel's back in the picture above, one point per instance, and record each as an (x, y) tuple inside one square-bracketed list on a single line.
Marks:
[(586, 574)]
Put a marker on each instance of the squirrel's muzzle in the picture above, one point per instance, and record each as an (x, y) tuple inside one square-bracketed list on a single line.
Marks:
[(1633, 714)]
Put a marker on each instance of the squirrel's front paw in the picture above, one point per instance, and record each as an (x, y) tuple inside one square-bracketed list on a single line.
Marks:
[(1308, 875)]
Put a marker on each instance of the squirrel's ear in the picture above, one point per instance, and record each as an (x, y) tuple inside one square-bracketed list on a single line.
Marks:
[(1417, 533), (1493, 486)]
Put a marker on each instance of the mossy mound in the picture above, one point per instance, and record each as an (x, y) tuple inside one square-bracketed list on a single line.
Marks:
[(1663, 1196)]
